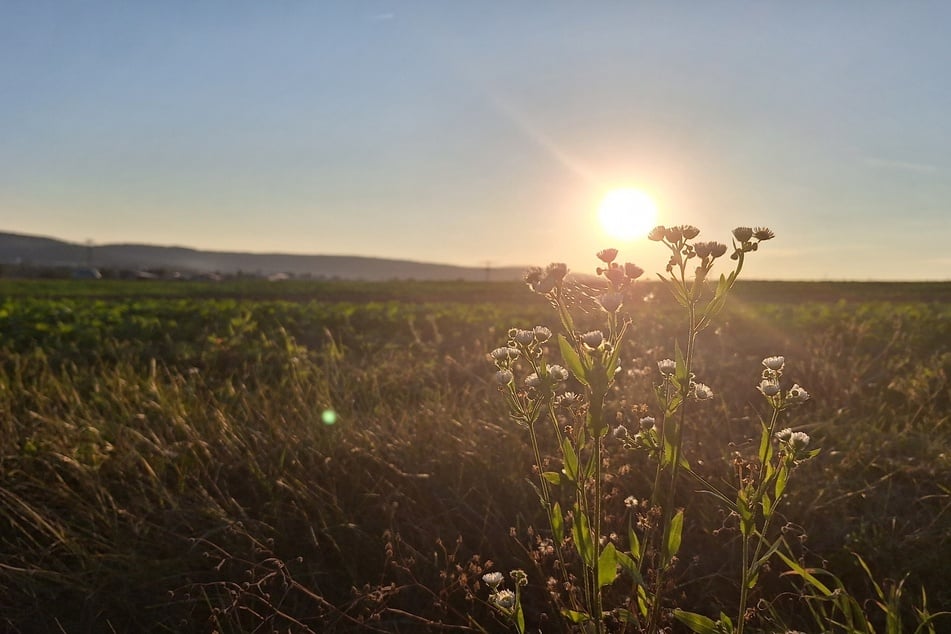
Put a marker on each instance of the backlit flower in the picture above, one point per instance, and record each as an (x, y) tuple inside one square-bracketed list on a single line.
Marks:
[(763, 233), (493, 579), (504, 377), (557, 270), (557, 373), (673, 234), (504, 354), (666, 366), (797, 394), (611, 301), (784, 434), (657, 233), (523, 337), (532, 380), (593, 339), (774, 363), (542, 334), (743, 234), (798, 440), (504, 599), (701, 392), (632, 270), (607, 255), (690, 232), (769, 388)]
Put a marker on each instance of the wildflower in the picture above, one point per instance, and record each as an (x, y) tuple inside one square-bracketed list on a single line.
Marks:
[(690, 232), (614, 273), (657, 233), (769, 388), (493, 579), (673, 234), (504, 377), (519, 577), (647, 422), (783, 435), (620, 432), (703, 249), (557, 270), (797, 394), (798, 440), (557, 373), (533, 276), (667, 366), (567, 399), (542, 334), (763, 233), (774, 363), (504, 354), (743, 234), (630, 502), (607, 255), (504, 599), (701, 392), (533, 380), (611, 301), (593, 339), (632, 270), (719, 249), (523, 337)]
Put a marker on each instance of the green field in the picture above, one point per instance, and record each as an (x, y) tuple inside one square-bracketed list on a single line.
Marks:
[(166, 462)]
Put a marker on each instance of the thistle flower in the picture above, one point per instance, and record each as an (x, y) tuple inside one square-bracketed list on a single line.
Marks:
[(774, 363), (611, 301), (593, 339), (657, 233), (493, 579), (504, 377), (763, 233), (743, 234), (607, 255), (667, 366)]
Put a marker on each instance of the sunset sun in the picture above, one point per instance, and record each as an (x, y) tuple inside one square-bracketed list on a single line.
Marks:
[(627, 213)]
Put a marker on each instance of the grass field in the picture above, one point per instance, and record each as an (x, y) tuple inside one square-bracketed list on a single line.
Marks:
[(168, 462)]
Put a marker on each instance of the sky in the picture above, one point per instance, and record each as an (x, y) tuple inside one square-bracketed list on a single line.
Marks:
[(483, 133)]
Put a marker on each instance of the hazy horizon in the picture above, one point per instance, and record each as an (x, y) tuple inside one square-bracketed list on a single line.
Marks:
[(483, 134)]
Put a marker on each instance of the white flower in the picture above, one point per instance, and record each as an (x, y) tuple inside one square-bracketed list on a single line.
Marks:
[(493, 579), (630, 502), (701, 392), (797, 394), (557, 373), (593, 339), (505, 353), (542, 334), (667, 366), (783, 435), (532, 380), (769, 388), (774, 363), (798, 440), (567, 399), (647, 422), (504, 599), (504, 377), (524, 337)]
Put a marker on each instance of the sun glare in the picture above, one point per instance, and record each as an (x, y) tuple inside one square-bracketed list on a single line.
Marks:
[(627, 213)]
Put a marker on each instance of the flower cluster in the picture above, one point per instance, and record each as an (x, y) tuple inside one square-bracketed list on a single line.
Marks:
[(794, 443), (619, 277), (679, 240), (547, 280), (744, 239), (502, 599), (770, 387)]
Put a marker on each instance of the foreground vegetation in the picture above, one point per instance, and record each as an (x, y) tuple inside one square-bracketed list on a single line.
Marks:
[(337, 457)]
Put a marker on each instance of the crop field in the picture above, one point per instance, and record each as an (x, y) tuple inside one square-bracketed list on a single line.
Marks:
[(336, 457)]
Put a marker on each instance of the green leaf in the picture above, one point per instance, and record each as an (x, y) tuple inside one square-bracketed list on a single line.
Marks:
[(574, 616), (557, 522), (581, 533), (782, 476), (625, 616), (635, 544), (629, 566), (696, 622), (552, 476), (807, 575), (607, 565), (572, 360), (519, 617), (675, 535), (571, 460)]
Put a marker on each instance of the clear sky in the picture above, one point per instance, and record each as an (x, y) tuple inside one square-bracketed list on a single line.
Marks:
[(474, 132)]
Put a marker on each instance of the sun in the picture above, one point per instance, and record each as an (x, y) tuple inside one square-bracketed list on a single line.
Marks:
[(627, 213)]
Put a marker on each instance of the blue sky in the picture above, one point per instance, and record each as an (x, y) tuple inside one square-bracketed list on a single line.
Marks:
[(478, 132)]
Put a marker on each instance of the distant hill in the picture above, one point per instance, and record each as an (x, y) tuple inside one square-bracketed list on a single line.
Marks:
[(38, 252)]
